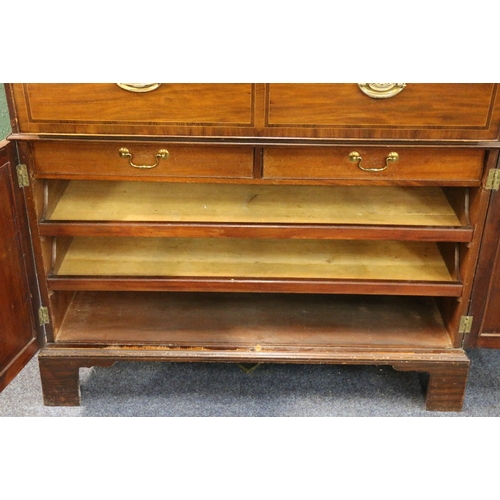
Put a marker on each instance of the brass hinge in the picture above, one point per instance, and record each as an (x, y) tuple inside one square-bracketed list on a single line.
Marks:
[(22, 176), (493, 181), (465, 324), (43, 316)]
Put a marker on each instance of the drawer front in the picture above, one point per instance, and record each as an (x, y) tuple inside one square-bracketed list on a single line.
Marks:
[(109, 109), (427, 165), (444, 112), (104, 160), (418, 111)]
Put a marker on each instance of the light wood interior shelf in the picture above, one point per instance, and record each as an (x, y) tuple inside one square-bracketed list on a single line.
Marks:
[(216, 320), (261, 258), (226, 203)]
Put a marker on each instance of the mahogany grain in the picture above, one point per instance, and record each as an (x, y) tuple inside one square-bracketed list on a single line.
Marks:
[(20, 338)]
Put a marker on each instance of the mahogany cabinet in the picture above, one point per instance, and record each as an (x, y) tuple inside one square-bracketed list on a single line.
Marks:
[(250, 223)]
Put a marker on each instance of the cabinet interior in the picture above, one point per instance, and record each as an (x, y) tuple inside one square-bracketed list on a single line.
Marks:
[(377, 254)]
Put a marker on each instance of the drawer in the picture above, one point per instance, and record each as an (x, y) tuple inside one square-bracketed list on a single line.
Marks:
[(444, 112), (106, 108), (102, 160), (425, 165), (418, 111)]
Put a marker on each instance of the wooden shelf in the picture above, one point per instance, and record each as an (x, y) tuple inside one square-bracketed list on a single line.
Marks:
[(95, 208), (149, 201), (253, 321), (248, 230), (246, 265), (177, 257), (206, 284)]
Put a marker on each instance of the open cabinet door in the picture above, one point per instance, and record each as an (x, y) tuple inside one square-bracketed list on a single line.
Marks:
[(20, 335), (485, 300)]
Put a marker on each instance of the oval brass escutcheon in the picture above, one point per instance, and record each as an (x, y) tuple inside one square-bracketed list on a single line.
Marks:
[(381, 90), (139, 87)]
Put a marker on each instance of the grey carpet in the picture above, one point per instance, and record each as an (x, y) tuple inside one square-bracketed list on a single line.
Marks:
[(130, 389)]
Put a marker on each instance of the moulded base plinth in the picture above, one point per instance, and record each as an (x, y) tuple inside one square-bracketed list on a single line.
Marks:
[(447, 369)]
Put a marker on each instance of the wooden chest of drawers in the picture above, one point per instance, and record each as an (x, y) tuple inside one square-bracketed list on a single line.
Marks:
[(250, 223)]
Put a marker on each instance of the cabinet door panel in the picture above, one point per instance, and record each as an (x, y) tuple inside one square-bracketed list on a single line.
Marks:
[(19, 339), (485, 300)]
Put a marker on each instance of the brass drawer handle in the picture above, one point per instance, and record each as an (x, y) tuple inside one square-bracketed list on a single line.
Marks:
[(381, 90), (355, 157), (139, 87), (125, 153)]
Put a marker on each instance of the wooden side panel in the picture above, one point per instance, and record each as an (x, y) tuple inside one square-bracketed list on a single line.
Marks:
[(19, 339)]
